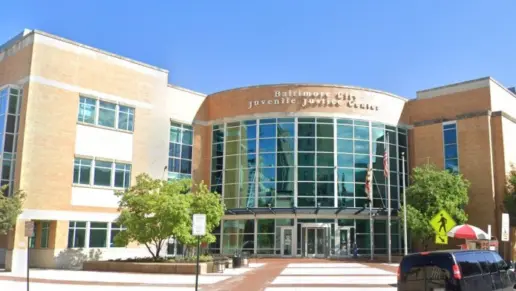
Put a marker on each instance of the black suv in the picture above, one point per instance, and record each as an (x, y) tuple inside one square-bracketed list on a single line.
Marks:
[(455, 270)]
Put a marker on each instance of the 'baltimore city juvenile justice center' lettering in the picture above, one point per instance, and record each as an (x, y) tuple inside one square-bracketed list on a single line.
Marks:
[(313, 99)]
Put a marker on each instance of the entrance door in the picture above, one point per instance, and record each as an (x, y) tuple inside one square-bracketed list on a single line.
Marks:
[(287, 241), (315, 242), (344, 242)]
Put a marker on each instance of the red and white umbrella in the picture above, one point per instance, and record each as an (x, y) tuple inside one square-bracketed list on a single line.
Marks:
[(466, 231)]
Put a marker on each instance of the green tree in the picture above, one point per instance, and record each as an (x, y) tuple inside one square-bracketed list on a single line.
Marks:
[(10, 208), (509, 201), (202, 201), (154, 210), (433, 190)]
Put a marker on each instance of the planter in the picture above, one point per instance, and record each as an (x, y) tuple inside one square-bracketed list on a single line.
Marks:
[(153, 268)]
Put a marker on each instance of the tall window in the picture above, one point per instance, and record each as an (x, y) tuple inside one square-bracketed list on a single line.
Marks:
[(115, 229), (451, 155), (109, 114), (98, 234), (180, 151), (45, 229), (100, 173), (77, 234)]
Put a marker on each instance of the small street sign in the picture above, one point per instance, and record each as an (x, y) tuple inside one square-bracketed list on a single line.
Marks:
[(505, 227), (29, 228), (199, 225), (441, 239), (442, 222)]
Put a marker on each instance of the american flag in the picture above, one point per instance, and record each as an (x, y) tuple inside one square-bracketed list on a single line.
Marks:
[(369, 184)]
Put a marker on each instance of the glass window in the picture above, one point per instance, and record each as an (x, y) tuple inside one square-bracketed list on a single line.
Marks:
[(286, 144), (325, 145), (107, 113), (325, 174), (306, 159), (306, 174), (452, 165), (285, 174), (285, 159), (180, 149), (345, 131), (115, 230), (98, 235), (325, 159), (345, 175), (306, 189), (87, 110), (306, 144), (45, 229), (306, 129), (82, 171), (102, 175), (286, 130), (122, 175), (248, 132), (267, 160), (450, 151), (265, 225), (126, 118), (325, 130), (267, 145), (76, 234), (325, 189), (346, 189), (267, 130), (378, 134), (450, 136), (361, 147), (175, 134), (362, 132), (345, 160)]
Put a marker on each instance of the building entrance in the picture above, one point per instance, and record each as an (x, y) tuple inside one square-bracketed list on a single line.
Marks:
[(315, 239), (344, 241)]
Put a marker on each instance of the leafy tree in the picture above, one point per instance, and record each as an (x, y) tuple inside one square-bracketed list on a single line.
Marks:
[(509, 201), (154, 210), (433, 190), (202, 201), (10, 208)]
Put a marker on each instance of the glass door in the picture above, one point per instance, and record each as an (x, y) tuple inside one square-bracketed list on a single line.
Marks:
[(287, 240), (320, 241), (311, 241), (344, 241)]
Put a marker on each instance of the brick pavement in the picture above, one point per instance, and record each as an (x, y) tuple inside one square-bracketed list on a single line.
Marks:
[(273, 275)]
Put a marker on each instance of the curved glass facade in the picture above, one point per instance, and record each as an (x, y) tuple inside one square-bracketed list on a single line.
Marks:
[(305, 162)]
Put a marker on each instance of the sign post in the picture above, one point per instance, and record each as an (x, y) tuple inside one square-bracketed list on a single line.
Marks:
[(29, 232), (505, 231), (198, 230), (442, 222)]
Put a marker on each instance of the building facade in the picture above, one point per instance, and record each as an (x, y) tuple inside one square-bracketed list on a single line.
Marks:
[(289, 161)]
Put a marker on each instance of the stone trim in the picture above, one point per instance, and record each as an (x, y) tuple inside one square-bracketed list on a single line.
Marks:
[(467, 116)]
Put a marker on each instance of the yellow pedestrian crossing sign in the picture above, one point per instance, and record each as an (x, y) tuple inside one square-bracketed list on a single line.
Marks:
[(441, 239), (442, 222)]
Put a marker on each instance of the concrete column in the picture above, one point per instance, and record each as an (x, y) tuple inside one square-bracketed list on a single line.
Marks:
[(16, 255)]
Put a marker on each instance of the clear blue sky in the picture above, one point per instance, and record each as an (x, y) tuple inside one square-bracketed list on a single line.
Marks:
[(392, 45)]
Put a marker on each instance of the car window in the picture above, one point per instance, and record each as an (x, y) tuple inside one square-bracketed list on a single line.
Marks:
[(500, 263), (437, 265), (484, 264), (491, 260), (469, 264)]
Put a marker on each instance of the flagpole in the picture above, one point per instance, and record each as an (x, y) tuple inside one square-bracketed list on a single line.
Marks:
[(389, 240), (371, 226), (405, 240)]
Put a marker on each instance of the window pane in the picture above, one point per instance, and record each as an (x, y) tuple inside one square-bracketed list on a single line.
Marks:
[(267, 130), (98, 238), (450, 151), (345, 145), (267, 145), (325, 130), (175, 135), (285, 174), (107, 113), (306, 174), (306, 159), (325, 174), (102, 175), (174, 150), (87, 110), (325, 189), (306, 189), (325, 160), (345, 131), (248, 132), (306, 144), (362, 132), (345, 160), (187, 137), (345, 175), (362, 147), (306, 130), (361, 161), (286, 130), (267, 160), (186, 167), (325, 145), (285, 144), (378, 134), (186, 152), (285, 159), (346, 189), (126, 118), (452, 165)]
